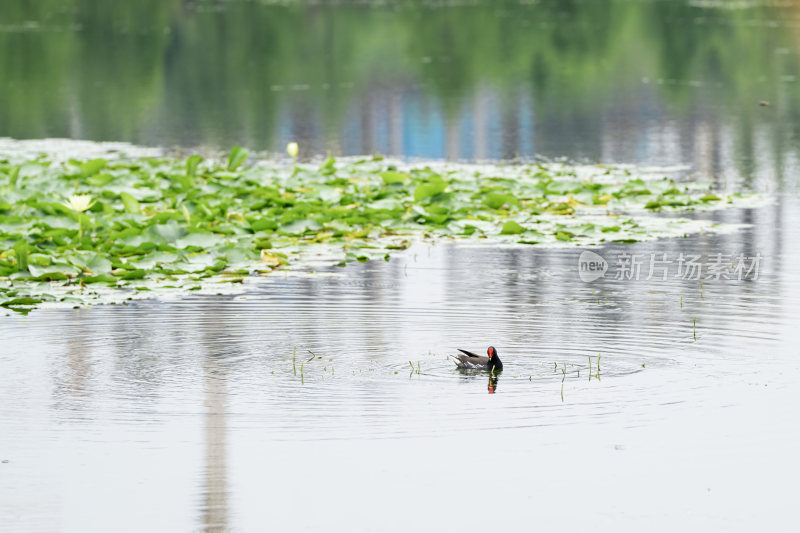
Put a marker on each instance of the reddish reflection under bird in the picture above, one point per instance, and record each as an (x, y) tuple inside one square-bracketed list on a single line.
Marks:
[(492, 384)]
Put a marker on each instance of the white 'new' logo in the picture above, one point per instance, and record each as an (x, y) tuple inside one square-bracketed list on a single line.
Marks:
[(591, 266)]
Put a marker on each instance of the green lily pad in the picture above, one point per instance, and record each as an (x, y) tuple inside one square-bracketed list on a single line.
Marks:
[(435, 186), (131, 204), (20, 301), (168, 223), (237, 157), (201, 240), (511, 228)]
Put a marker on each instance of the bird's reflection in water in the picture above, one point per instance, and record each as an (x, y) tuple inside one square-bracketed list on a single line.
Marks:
[(472, 375), (493, 383)]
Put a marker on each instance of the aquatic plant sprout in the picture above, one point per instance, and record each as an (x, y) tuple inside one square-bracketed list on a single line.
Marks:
[(166, 225)]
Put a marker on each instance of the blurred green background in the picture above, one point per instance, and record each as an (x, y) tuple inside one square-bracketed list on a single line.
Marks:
[(620, 80)]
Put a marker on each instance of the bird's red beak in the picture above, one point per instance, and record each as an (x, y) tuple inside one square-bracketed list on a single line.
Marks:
[(491, 353)]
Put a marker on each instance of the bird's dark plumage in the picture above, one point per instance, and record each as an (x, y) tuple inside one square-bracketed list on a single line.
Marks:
[(471, 361)]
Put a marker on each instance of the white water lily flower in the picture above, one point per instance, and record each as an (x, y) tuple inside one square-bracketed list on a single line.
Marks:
[(79, 202), (292, 149)]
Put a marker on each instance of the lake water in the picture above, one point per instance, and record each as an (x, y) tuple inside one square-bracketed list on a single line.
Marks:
[(191, 414), (188, 414)]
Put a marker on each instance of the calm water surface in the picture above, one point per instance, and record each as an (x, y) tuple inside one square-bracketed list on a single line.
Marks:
[(190, 414)]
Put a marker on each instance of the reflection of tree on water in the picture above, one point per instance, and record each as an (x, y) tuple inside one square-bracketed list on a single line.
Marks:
[(74, 376), (215, 490), (218, 343), (251, 73)]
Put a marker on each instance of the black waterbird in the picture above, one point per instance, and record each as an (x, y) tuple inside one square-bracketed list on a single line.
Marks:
[(473, 361)]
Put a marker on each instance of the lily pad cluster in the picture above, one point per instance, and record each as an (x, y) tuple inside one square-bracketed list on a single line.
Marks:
[(78, 231)]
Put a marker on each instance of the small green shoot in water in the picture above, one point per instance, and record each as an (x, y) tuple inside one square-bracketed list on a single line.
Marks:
[(597, 374), (294, 361), (313, 355), (302, 381), (694, 328), (681, 302)]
